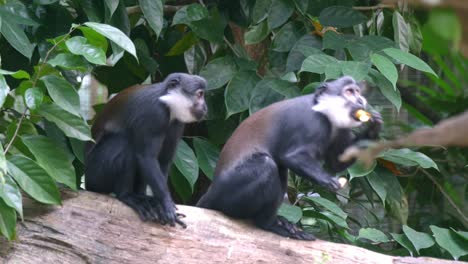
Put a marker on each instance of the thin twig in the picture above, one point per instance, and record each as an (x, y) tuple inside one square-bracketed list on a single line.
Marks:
[(36, 77), (370, 8), (445, 194)]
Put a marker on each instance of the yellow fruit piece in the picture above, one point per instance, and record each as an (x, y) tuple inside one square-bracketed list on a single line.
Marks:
[(362, 115), (342, 181)]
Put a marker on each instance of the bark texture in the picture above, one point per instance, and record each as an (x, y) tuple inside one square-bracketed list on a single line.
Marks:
[(93, 228)]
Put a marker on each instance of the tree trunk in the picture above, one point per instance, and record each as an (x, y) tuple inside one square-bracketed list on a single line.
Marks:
[(93, 228)]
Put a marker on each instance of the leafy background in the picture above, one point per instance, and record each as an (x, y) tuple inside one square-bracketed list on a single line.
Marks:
[(60, 57)]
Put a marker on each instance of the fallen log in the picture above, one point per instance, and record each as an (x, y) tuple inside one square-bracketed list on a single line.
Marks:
[(93, 228)]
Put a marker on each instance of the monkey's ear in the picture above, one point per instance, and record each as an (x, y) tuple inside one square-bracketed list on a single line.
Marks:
[(319, 91), (363, 86), (173, 82)]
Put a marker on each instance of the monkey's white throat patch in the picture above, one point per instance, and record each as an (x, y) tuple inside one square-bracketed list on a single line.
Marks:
[(337, 111), (179, 106)]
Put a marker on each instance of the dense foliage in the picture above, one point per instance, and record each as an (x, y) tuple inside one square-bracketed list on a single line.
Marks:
[(252, 53)]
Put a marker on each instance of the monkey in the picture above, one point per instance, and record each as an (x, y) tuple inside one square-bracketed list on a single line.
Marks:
[(296, 134), (136, 136)]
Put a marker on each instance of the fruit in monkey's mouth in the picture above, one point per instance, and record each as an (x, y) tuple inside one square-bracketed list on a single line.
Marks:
[(362, 115), (342, 181)]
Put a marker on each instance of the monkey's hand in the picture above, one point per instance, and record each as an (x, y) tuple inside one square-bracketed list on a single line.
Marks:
[(374, 126), (166, 213)]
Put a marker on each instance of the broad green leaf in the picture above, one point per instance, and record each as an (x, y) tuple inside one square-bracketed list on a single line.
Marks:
[(285, 88), (333, 71), (327, 216), (448, 240), (302, 49), (94, 38), (260, 10), (396, 198), (361, 48), (462, 234), (257, 33), (385, 87), (79, 45), (290, 77), (3, 165), (52, 158), (373, 234), (26, 128), (33, 180), (33, 97), (341, 16), (195, 58), (327, 204), (11, 194), (404, 241), (291, 212), (115, 35), (356, 69), (409, 59), (4, 90), (264, 95), (333, 40), (279, 12), (153, 11), (112, 6), (207, 155), (416, 38), (185, 43), (69, 61), (358, 170), (180, 184), (408, 157), (317, 63), (401, 31), (286, 37), (186, 162), (15, 35), (378, 185), (7, 221), (442, 32), (16, 74), (15, 12), (386, 67), (71, 125), (190, 13), (78, 148), (419, 240), (44, 2), (210, 28), (238, 92), (218, 72), (63, 94)]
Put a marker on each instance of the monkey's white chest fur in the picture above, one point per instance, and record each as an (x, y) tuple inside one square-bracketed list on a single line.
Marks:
[(337, 110), (179, 105)]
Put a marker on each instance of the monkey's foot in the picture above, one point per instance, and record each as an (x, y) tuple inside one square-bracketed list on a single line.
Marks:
[(287, 229), (166, 212)]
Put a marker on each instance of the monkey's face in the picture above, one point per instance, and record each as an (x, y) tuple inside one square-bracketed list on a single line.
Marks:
[(186, 97)]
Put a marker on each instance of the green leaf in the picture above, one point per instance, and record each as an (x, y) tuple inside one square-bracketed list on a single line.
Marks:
[(112, 6), (33, 97), (195, 58), (15, 12), (11, 194), (69, 61), (80, 46), (386, 67), (418, 239), (333, 40), (448, 240), (185, 43), (7, 221), (257, 33), (33, 180), (279, 12), (210, 28), (190, 13), (291, 212), (385, 87), (218, 72), (356, 69), (260, 10), (263, 94), (15, 35), (404, 241), (317, 63), (3, 165), (302, 49), (52, 158), (409, 59), (114, 35), (16, 74), (78, 148), (4, 90), (63, 94), (373, 234), (402, 156), (341, 16), (94, 38), (401, 31), (71, 125), (44, 2), (186, 162), (180, 185), (378, 185), (286, 37), (238, 92), (358, 170), (333, 219), (153, 11), (462, 234), (207, 155), (327, 204)]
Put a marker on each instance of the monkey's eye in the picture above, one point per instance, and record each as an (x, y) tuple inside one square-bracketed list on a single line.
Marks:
[(200, 94), (349, 92)]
